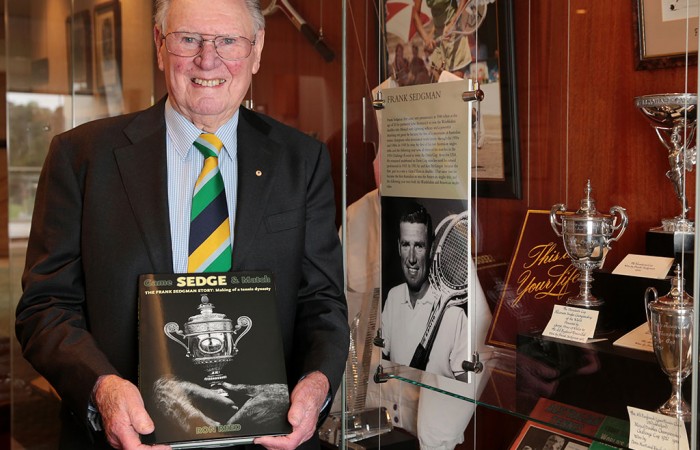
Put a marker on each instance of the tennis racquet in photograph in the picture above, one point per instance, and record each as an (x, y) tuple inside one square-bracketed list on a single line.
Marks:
[(448, 276)]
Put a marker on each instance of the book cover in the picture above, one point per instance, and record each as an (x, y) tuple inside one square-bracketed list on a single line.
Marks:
[(540, 276), (613, 432), (211, 362), (535, 436), (567, 417)]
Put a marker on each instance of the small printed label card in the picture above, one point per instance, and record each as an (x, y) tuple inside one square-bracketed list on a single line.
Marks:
[(653, 431), (644, 266), (571, 324), (638, 339)]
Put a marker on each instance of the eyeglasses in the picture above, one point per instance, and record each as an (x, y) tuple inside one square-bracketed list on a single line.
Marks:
[(230, 48)]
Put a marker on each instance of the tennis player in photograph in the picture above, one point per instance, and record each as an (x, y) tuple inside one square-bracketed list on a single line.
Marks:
[(408, 305)]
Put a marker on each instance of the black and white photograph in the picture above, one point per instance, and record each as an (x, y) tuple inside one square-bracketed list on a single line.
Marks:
[(201, 374), (425, 283), (538, 437)]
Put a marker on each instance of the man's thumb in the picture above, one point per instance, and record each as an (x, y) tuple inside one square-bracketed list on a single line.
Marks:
[(141, 421)]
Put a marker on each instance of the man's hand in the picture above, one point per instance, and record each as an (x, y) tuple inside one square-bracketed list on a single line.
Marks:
[(123, 414), (182, 402), (307, 400), (266, 403)]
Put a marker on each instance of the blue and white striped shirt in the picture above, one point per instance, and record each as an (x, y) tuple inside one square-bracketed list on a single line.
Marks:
[(184, 165)]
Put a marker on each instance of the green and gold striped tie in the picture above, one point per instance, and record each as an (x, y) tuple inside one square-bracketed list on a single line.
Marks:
[(210, 235)]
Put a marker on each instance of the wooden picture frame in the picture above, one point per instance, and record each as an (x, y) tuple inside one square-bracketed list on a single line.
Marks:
[(494, 67), (659, 35), (108, 52), (79, 47)]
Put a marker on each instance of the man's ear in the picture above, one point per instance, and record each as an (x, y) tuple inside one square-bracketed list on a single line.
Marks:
[(258, 48), (158, 41)]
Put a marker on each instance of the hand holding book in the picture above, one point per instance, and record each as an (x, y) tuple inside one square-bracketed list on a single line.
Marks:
[(307, 400), (191, 405)]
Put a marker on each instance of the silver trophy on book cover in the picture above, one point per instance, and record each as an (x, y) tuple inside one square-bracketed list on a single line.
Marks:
[(587, 236), (674, 118), (670, 321), (208, 338)]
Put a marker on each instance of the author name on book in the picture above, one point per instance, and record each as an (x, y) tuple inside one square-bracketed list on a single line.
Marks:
[(227, 428)]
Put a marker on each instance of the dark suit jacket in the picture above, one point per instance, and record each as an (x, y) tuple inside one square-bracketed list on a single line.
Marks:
[(101, 219)]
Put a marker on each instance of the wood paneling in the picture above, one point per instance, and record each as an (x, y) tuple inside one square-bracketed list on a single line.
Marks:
[(576, 84), (296, 85), (576, 87)]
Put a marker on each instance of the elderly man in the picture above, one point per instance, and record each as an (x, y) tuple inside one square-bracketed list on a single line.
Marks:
[(114, 201)]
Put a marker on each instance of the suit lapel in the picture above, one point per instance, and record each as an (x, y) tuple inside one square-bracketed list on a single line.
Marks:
[(257, 167), (143, 168)]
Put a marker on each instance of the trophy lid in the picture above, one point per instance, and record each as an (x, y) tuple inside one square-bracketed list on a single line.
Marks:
[(588, 210), (677, 298), (208, 316)]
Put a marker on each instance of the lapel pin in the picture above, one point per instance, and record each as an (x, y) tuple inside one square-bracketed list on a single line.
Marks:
[(258, 173)]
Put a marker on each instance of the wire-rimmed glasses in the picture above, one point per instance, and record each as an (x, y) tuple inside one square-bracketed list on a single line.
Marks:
[(186, 44)]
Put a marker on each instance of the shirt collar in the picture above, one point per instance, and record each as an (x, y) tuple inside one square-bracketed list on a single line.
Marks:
[(429, 297), (182, 133)]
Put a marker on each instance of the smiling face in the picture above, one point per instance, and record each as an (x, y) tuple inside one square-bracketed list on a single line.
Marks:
[(413, 248), (207, 89)]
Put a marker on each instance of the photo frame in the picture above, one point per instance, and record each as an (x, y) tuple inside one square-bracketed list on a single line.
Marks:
[(536, 435), (659, 35), (108, 52), (489, 30), (79, 47)]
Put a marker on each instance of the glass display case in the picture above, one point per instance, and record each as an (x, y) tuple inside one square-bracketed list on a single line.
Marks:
[(504, 119), (561, 222)]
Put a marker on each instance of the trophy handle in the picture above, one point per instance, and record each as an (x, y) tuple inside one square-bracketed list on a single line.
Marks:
[(172, 327), (650, 290), (557, 225), (622, 226), (243, 321)]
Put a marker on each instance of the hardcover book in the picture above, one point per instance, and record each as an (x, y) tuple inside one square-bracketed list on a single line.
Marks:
[(538, 436), (211, 361), (540, 276)]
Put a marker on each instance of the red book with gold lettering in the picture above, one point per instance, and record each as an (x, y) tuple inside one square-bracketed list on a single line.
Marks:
[(211, 362), (540, 276)]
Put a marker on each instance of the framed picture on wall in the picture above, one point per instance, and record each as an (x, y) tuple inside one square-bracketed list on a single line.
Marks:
[(665, 30), (107, 46), (424, 44), (79, 41)]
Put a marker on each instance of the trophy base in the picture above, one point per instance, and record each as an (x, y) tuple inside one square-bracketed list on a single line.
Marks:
[(677, 245), (677, 408), (660, 242), (677, 224), (358, 425), (589, 302)]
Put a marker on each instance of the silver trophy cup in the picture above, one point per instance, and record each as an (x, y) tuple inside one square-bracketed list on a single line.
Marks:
[(587, 236), (674, 118), (670, 321), (208, 338)]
